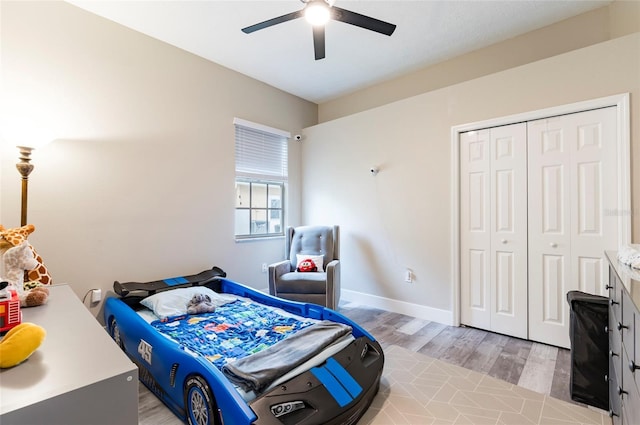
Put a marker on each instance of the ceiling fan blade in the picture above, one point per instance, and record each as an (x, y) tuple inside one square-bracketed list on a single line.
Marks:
[(362, 21), (318, 41), (273, 21)]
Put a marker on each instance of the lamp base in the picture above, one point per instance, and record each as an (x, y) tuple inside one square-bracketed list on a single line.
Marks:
[(24, 168)]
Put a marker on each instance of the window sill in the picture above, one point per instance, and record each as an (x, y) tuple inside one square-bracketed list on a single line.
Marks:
[(265, 238)]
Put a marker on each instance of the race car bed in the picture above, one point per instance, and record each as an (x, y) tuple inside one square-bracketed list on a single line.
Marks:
[(218, 352)]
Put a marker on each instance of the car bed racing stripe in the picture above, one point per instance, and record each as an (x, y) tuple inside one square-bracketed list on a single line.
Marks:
[(341, 374), (340, 384), (337, 391)]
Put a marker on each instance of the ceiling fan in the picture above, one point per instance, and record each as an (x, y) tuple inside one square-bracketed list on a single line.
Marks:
[(318, 13)]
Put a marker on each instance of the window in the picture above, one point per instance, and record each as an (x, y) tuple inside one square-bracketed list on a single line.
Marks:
[(261, 177)]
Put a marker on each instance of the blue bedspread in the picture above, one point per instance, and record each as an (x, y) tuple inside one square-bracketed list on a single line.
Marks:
[(235, 330)]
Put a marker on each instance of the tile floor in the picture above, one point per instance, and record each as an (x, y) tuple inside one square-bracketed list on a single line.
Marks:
[(420, 390)]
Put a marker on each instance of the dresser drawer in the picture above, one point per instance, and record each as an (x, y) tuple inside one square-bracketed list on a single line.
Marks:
[(630, 397), (615, 295), (615, 406), (626, 325), (615, 344), (633, 350)]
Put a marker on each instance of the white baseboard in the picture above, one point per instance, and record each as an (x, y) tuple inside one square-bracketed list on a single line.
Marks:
[(415, 310)]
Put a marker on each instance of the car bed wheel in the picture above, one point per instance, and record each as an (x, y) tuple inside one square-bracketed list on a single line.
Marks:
[(114, 330), (199, 403)]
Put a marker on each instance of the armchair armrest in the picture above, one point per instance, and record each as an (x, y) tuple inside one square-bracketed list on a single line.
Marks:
[(275, 271), (333, 283)]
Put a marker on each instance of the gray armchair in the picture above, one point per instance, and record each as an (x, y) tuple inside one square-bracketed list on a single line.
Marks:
[(313, 287)]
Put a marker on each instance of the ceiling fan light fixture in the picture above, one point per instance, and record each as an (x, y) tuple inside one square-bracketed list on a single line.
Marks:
[(317, 12)]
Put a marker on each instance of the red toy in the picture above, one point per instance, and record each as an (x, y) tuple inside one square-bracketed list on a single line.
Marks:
[(307, 265), (10, 314)]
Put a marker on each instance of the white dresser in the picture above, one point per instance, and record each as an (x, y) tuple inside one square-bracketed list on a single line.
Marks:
[(77, 376)]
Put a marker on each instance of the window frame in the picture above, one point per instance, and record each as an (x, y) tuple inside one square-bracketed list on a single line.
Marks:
[(259, 178)]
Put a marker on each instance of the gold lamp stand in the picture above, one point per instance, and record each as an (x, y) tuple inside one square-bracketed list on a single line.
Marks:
[(24, 168)]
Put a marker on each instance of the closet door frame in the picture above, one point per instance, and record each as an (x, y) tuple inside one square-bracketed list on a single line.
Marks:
[(620, 101)]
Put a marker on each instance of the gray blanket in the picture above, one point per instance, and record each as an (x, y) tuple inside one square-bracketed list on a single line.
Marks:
[(258, 370)]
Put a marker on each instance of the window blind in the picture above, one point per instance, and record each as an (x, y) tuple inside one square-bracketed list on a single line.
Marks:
[(261, 152)]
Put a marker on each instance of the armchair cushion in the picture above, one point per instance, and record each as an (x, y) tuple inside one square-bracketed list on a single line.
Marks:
[(303, 283)]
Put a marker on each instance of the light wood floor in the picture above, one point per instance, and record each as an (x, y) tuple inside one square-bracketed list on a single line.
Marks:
[(538, 367), (535, 366)]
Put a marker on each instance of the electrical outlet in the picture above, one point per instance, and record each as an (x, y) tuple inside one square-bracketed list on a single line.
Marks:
[(96, 295), (264, 267), (408, 276)]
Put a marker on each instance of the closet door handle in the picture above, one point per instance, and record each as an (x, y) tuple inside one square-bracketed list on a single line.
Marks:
[(553, 245), (503, 240)]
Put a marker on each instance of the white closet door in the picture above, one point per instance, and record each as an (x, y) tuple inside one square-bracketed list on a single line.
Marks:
[(493, 256), (594, 228), (509, 230), (475, 238), (571, 186)]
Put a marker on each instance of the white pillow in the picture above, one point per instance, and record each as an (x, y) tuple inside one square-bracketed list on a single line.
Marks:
[(317, 259), (174, 301)]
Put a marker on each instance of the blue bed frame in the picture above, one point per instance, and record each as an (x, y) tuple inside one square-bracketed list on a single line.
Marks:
[(198, 393)]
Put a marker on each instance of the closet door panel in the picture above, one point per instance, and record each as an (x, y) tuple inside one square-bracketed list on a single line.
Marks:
[(549, 235), (572, 162), (594, 198), (509, 230), (475, 243)]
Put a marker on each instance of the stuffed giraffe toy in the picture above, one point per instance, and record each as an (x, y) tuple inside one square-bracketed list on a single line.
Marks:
[(19, 257), (17, 260)]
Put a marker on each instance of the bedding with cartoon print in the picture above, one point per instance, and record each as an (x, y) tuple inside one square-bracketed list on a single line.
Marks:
[(233, 331)]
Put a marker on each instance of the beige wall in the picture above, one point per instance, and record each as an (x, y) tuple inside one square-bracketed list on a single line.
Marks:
[(618, 19), (139, 183), (402, 217)]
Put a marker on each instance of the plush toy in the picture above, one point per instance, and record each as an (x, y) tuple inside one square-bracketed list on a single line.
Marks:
[(23, 266), (19, 343), (200, 303), (307, 265), (16, 261)]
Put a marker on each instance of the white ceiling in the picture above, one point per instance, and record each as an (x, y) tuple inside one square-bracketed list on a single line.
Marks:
[(428, 32)]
